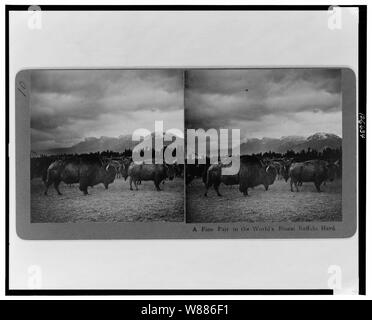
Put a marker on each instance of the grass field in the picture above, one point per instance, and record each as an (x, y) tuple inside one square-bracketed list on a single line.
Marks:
[(275, 205), (117, 204)]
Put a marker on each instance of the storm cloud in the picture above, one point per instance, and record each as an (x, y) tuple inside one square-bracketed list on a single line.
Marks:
[(265, 102), (68, 106)]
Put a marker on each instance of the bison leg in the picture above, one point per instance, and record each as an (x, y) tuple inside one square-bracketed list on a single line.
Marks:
[(56, 184), (207, 186), (48, 183), (244, 190), (130, 182), (206, 190), (266, 187), (136, 184), (317, 186), (291, 182), (215, 186), (83, 188), (157, 185), (106, 185)]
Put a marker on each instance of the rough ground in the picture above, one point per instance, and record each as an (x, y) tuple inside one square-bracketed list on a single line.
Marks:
[(277, 204), (117, 204)]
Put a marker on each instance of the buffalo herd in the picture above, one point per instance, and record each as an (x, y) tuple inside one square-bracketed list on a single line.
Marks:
[(88, 171), (255, 171)]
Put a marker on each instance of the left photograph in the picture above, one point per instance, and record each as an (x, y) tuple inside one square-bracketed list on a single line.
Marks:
[(81, 164)]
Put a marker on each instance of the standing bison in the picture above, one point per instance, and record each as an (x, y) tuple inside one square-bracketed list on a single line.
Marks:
[(150, 172), (87, 173), (316, 171), (252, 172)]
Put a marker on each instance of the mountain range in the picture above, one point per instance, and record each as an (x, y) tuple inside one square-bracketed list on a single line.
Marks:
[(103, 143), (317, 141)]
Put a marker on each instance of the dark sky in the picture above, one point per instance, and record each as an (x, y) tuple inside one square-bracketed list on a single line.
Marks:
[(265, 103), (70, 105)]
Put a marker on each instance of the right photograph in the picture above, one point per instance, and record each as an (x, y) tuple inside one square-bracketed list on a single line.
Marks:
[(289, 150)]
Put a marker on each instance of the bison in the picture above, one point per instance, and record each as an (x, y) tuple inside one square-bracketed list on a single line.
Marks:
[(150, 172), (252, 172), (86, 173), (316, 171)]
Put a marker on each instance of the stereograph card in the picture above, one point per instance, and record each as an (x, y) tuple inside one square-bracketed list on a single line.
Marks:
[(77, 131)]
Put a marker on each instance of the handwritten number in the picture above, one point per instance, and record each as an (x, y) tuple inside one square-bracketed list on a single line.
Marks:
[(362, 125)]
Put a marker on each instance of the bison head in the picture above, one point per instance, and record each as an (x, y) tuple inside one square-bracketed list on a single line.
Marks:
[(285, 169), (271, 172), (124, 167), (110, 170)]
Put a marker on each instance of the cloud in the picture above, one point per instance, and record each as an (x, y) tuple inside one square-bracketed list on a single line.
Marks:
[(244, 98), (70, 105)]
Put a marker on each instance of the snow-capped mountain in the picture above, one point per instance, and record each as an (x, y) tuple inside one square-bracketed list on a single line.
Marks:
[(92, 144), (317, 141)]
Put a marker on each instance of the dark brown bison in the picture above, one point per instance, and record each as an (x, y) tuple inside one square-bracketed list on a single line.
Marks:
[(316, 171), (150, 172), (252, 172), (86, 173)]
